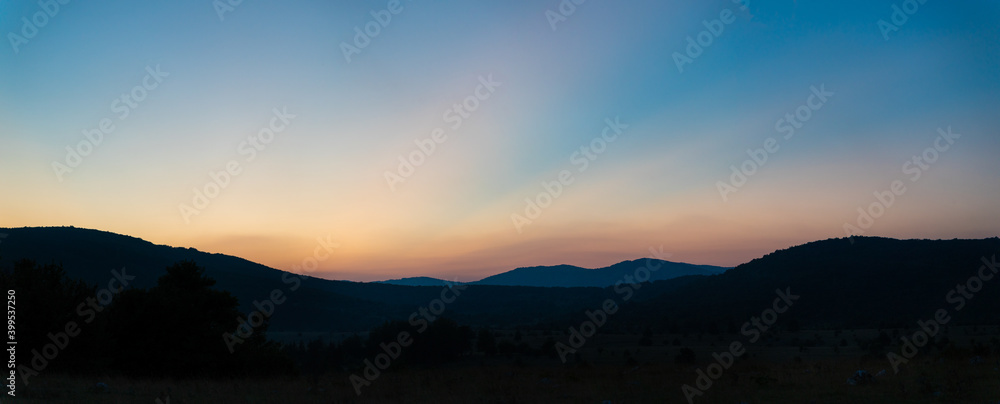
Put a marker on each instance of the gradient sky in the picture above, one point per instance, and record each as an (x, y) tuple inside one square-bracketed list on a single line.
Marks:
[(655, 185)]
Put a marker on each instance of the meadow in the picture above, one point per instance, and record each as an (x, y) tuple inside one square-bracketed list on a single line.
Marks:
[(611, 368)]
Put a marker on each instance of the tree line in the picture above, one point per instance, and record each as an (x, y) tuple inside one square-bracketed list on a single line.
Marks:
[(175, 329)]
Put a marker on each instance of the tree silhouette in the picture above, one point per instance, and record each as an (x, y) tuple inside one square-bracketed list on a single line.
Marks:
[(46, 301), (176, 329)]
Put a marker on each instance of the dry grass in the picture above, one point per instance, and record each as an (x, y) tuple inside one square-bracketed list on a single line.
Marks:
[(818, 381)]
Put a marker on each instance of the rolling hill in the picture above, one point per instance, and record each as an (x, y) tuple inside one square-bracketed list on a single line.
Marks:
[(870, 282), (417, 281), (569, 276), (313, 304)]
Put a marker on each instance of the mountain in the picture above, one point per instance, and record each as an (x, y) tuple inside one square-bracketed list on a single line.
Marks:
[(842, 283), (569, 276), (310, 304), (417, 281), (866, 282), (91, 255)]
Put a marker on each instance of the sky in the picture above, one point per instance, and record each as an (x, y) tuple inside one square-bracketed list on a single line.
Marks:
[(369, 140)]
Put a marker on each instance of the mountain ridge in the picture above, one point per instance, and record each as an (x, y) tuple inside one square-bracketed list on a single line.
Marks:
[(520, 276), (859, 282), (574, 276)]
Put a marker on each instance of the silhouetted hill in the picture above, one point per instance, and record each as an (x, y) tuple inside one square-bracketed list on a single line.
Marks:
[(870, 283), (417, 281), (315, 304), (90, 255), (874, 282), (569, 276)]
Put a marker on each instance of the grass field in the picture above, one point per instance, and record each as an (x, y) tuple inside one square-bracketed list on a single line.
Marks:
[(766, 374), (806, 382)]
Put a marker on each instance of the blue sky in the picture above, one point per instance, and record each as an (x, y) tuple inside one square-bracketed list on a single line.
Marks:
[(455, 216)]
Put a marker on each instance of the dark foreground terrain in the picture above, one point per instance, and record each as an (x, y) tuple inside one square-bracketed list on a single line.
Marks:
[(929, 379), (104, 318)]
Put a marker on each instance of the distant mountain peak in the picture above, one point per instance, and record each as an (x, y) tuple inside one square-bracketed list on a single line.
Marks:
[(573, 276), (418, 281)]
